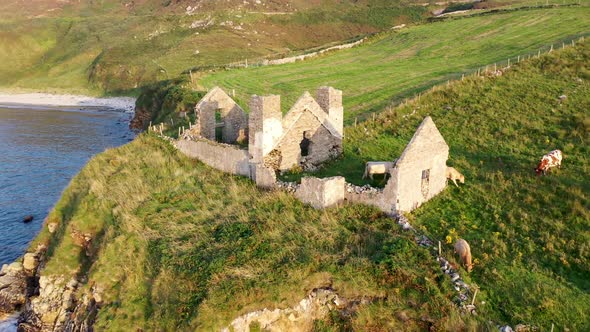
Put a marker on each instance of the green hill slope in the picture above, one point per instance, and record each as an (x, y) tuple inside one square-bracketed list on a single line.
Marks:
[(177, 245), (529, 234), (403, 63), (114, 46)]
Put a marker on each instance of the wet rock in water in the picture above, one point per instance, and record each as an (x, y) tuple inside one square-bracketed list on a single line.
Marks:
[(28, 218)]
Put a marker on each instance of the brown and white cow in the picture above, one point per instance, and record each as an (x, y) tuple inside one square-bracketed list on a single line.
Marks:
[(550, 160)]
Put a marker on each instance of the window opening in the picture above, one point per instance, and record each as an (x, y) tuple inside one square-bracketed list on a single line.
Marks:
[(425, 182), (304, 145)]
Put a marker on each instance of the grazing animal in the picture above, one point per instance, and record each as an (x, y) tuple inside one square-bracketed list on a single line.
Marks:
[(462, 248), (377, 167), (454, 175), (550, 160)]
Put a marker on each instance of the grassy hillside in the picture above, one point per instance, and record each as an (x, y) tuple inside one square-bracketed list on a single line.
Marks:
[(529, 234), (403, 63), (177, 245), (114, 47)]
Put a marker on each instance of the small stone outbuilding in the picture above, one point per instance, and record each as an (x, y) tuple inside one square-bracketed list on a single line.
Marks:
[(419, 174), (309, 134), (220, 118)]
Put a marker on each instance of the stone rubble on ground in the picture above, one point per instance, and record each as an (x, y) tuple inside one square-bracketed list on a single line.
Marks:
[(462, 289), (300, 317), (351, 188), (289, 187)]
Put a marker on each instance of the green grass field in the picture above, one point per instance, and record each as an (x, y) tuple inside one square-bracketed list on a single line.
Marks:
[(400, 64)]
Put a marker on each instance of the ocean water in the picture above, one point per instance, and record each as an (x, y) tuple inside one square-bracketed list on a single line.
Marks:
[(41, 149)]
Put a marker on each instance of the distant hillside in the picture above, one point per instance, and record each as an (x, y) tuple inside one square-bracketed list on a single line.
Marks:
[(111, 46)]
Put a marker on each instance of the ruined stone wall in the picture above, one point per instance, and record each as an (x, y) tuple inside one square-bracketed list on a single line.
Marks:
[(206, 120), (265, 125), (233, 117), (330, 100), (321, 193), (225, 158), (419, 173), (309, 123)]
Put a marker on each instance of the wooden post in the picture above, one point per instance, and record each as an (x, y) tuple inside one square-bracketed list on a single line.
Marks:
[(508, 62), (462, 77), (172, 121), (552, 325), (190, 72), (355, 121), (551, 49), (439, 249), (373, 117), (518, 60), (233, 93), (474, 295), (539, 54), (178, 132), (563, 45), (495, 68)]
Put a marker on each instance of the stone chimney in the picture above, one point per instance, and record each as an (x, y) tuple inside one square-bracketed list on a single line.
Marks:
[(330, 100), (265, 125)]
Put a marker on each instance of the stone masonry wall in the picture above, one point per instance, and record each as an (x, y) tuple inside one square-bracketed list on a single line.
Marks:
[(265, 125), (330, 100), (321, 193), (320, 124), (233, 117), (206, 116), (419, 173), (222, 157)]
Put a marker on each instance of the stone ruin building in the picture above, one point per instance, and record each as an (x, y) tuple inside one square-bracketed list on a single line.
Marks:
[(306, 136), (218, 117), (309, 134)]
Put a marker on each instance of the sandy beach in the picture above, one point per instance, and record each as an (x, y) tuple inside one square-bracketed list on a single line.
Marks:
[(46, 99)]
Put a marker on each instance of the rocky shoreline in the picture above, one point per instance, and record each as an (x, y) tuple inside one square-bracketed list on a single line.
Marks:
[(47, 99)]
